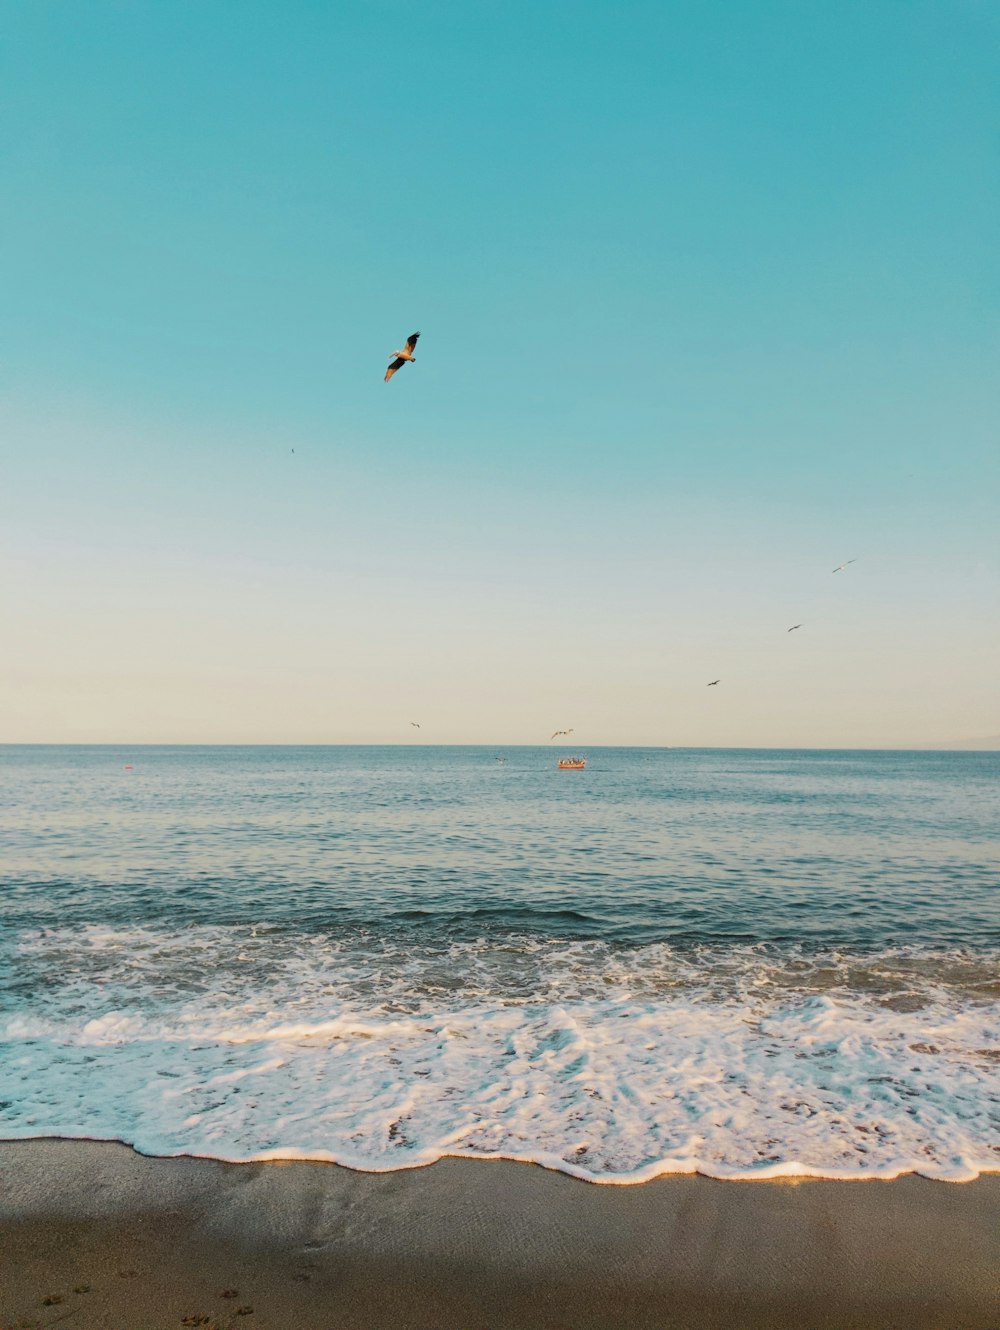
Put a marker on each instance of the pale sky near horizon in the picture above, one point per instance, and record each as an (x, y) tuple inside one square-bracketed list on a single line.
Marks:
[(709, 299)]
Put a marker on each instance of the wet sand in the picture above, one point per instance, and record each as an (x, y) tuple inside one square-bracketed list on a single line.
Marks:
[(122, 1242)]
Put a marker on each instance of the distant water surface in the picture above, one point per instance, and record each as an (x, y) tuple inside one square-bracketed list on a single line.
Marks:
[(746, 963)]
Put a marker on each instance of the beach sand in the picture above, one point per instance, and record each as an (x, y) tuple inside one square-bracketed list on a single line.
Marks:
[(130, 1243)]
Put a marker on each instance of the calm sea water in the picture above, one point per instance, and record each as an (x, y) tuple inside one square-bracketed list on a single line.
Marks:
[(745, 963)]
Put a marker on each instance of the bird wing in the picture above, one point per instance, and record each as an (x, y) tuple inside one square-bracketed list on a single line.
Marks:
[(411, 342), (398, 363)]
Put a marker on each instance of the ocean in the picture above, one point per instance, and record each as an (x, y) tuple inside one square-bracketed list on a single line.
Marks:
[(743, 963)]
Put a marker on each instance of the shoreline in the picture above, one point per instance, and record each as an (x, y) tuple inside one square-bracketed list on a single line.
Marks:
[(783, 1172), (480, 1245)]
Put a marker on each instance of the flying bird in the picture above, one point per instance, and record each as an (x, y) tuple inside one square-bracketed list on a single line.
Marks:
[(402, 356), (713, 683), (840, 567), (557, 733), (794, 626), (414, 724)]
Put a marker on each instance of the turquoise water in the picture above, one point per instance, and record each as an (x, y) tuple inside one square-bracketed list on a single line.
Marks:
[(742, 962)]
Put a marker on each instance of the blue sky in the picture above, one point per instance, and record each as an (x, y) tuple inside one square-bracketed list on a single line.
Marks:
[(709, 302)]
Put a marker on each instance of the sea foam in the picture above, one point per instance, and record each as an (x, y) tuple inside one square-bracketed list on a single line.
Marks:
[(611, 1063)]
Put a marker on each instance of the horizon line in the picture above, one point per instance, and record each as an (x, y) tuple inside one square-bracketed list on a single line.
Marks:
[(955, 746)]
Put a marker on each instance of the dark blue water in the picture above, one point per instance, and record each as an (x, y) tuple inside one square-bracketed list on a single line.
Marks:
[(644, 845)]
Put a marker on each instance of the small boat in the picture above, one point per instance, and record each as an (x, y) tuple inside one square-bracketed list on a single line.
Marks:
[(572, 763)]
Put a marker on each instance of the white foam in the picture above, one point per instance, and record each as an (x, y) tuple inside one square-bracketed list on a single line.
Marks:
[(610, 1064)]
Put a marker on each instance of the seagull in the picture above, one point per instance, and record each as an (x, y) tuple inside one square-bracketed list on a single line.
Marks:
[(414, 724), (402, 356), (558, 732), (713, 683), (794, 626), (840, 567)]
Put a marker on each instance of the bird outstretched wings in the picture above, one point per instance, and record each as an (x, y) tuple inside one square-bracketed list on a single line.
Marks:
[(402, 356)]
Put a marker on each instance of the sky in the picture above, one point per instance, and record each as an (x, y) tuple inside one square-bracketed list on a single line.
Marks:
[(709, 302)]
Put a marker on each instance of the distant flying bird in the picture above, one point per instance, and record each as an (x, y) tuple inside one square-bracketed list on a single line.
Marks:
[(558, 732), (713, 683), (402, 356), (414, 724), (840, 567), (794, 626)]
